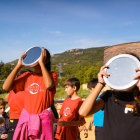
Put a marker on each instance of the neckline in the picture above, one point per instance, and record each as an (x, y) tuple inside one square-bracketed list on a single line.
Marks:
[(74, 99)]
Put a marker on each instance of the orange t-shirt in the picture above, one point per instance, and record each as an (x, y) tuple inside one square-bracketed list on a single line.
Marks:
[(69, 112), (37, 98), (16, 103)]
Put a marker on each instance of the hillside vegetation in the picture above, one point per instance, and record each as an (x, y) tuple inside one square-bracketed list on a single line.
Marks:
[(81, 63)]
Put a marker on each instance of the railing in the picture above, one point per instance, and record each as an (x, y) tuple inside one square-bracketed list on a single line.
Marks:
[(55, 101)]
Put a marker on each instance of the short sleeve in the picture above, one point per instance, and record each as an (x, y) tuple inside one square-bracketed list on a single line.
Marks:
[(105, 95), (54, 77)]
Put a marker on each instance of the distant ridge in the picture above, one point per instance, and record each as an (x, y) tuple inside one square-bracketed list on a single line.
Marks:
[(81, 63), (75, 56)]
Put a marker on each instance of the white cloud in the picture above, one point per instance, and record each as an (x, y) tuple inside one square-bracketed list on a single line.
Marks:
[(55, 32), (129, 23)]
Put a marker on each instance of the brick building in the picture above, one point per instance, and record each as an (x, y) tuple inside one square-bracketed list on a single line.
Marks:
[(131, 47)]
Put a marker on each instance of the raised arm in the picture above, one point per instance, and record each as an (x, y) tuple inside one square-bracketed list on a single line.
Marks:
[(49, 84), (91, 105), (8, 84)]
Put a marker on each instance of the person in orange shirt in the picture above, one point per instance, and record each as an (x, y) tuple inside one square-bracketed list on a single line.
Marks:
[(39, 89), (70, 120), (16, 104)]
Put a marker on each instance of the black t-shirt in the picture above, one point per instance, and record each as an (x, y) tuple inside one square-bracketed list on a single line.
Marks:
[(119, 122)]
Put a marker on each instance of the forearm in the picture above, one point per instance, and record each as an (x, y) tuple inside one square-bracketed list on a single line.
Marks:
[(88, 104), (75, 123), (8, 84), (49, 84), (56, 120)]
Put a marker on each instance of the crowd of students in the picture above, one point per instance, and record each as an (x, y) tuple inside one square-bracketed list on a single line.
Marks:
[(33, 114)]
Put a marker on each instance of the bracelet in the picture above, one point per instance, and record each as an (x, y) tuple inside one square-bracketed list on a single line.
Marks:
[(102, 83)]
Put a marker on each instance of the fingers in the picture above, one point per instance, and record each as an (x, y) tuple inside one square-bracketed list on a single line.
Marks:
[(138, 75), (103, 72), (23, 54), (43, 56), (137, 69), (103, 67)]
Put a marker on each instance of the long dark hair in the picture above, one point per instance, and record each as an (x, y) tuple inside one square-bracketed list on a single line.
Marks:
[(136, 100), (48, 65)]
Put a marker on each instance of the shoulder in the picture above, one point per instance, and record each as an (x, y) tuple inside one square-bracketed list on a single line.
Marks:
[(53, 74), (26, 74), (67, 99), (78, 101), (105, 95), (5, 115)]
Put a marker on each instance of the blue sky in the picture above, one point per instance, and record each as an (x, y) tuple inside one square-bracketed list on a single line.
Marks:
[(61, 25)]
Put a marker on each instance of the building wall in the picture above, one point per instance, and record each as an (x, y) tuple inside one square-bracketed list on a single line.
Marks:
[(131, 47)]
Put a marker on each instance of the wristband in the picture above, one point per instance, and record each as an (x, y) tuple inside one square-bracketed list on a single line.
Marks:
[(102, 83)]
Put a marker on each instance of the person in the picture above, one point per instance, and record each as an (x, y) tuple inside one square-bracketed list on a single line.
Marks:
[(39, 90), (16, 104), (67, 128), (97, 117), (4, 127), (119, 123)]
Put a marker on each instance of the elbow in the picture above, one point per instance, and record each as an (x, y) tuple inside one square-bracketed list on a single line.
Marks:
[(82, 112), (50, 86), (4, 88)]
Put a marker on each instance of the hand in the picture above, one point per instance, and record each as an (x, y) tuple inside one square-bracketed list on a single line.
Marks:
[(86, 133), (90, 126), (43, 57), (20, 59), (137, 77), (3, 136), (103, 73), (80, 129), (62, 123)]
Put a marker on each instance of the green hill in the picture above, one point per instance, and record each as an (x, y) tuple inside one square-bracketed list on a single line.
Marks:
[(81, 63)]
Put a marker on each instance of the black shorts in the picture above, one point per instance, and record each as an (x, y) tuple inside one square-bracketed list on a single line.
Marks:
[(98, 133), (11, 128)]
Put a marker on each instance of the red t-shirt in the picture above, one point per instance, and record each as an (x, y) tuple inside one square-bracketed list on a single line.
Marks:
[(16, 103), (37, 97), (69, 112)]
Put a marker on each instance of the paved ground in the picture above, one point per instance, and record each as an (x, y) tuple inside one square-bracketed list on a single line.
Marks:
[(91, 134)]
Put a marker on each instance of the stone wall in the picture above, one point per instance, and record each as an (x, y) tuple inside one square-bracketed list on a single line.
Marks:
[(131, 47)]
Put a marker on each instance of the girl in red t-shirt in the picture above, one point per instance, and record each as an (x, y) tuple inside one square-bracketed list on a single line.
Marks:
[(39, 88)]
